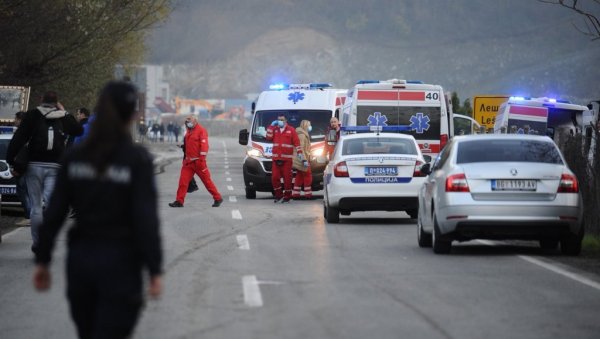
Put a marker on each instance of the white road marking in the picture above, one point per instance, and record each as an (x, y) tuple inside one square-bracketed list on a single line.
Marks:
[(230, 188), (13, 233), (243, 243), (224, 144), (252, 296), (226, 166), (227, 173), (550, 267), (228, 179), (235, 214), (232, 198)]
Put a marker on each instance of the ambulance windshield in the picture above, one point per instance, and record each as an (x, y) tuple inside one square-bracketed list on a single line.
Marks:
[(318, 119)]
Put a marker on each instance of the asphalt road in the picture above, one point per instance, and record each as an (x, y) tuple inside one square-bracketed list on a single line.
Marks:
[(253, 269)]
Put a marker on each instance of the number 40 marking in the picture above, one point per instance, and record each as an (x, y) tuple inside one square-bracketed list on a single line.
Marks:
[(434, 96)]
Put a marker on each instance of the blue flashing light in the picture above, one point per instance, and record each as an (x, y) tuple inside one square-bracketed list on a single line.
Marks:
[(563, 101), (518, 98), (321, 85), (278, 87), (362, 82), (552, 100), (393, 128), (414, 82)]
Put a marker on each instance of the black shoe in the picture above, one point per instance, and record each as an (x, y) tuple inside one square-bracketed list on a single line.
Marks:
[(34, 249), (217, 203), (284, 200), (176, 204), (277, 200)]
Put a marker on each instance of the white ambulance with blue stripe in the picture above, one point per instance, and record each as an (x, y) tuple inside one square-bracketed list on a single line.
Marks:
[(316, 102)]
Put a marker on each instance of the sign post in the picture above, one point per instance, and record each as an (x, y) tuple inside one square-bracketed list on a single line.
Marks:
[(485, 108)]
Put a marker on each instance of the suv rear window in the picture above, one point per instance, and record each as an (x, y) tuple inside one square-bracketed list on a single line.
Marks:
[(379, 146), (507, 151)]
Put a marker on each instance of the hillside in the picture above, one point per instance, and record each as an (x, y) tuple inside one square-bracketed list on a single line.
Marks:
[(228, 48)]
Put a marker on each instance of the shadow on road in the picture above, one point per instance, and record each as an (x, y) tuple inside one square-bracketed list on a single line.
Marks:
[(501, 249)]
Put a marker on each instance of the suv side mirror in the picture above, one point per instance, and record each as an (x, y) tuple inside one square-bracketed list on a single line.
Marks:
[(426, 169), (243, 137)]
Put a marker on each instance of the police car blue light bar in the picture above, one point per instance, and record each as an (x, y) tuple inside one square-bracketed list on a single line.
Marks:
[(393, 128), (362, 82), (278, 87)]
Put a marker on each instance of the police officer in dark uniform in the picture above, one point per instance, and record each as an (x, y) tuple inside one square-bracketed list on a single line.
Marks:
[(109, 182)]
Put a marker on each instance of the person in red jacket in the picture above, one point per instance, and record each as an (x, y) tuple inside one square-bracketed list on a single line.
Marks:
[(196, 149), (285, 140)]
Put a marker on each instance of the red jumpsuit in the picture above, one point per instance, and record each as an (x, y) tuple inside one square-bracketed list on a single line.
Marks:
[(284, 142), (196, 149)]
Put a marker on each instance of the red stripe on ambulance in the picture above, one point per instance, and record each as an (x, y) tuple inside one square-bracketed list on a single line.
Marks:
[(530, 111)]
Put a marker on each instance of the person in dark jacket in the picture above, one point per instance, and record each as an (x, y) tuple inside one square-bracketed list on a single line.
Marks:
[(116, 232), (43, 129), (86, 119), (21, 184)]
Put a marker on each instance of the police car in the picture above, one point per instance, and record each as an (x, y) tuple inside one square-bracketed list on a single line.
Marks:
[(373, 172), (8, 184)]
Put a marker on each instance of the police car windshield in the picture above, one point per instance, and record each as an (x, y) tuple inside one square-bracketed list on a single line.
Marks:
[(378, 145), (319, 119)]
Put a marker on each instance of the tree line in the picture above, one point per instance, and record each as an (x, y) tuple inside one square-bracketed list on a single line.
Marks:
[(72, 46)]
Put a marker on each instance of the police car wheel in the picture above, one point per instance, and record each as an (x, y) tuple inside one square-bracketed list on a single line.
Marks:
[(250, 193), (440, 245), (332, 215)]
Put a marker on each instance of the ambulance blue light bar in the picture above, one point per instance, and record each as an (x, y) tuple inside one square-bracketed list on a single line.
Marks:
[(279, 87), (362, 82), (394, 128), (321, 85), (414, 82)]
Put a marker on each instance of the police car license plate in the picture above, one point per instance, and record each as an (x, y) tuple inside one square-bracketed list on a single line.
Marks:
[(514, 185), (381, 171), (8, 190)]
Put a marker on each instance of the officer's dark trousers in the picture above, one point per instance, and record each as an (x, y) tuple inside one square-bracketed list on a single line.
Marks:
[(104, 289)]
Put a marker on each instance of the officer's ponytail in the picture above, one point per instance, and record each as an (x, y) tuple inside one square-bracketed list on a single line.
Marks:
[(114, 111)]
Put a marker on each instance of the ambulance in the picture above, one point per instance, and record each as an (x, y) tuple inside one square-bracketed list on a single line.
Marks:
[(425, 108), (544, 116), (316, 102)]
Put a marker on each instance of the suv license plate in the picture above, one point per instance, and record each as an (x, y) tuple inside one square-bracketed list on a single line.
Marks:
[(514, 185)]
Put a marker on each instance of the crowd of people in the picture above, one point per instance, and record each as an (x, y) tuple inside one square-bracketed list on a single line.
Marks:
[(157, 132)]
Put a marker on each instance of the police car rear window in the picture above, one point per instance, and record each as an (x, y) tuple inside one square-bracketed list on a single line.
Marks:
[(508, 151), (377, 145)]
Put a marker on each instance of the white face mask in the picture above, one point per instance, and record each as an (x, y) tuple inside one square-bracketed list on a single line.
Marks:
[(189, 124)]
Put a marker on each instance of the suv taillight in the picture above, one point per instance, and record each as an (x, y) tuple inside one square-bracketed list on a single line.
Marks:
[(457, 183), (417, 172), (341, 170), (568, 184)]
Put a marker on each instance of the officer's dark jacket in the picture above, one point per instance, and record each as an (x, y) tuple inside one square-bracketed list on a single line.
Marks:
[(118, 207)]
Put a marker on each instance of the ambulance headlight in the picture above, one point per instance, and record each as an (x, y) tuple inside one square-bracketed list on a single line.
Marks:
[(318, 152), (254, 153)]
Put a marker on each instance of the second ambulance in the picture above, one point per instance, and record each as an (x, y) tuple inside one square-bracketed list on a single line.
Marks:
[(423, 107), (316, 102)]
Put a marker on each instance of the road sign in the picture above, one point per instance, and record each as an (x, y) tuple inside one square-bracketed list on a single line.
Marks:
[(485, 108)]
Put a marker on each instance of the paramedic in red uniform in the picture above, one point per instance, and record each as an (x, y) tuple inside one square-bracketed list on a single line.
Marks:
[(196, 149), (285, 140)]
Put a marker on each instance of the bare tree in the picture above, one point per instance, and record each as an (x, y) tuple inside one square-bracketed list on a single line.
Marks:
[(591, 17)]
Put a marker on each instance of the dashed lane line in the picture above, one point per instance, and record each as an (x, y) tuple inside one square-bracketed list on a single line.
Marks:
[(227, 173), (232, 198), (243, 243), (252, 295), (230, 188), (226, 166), (235, 214), (228, 179)]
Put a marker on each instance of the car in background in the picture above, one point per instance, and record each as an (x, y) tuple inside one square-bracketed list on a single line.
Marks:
[(8, 184), (500, 186), (373, 172)]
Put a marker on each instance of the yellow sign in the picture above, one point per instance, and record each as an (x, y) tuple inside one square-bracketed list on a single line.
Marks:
[(485, 108)]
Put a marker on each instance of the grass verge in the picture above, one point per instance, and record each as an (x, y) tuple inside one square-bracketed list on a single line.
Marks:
[(591, 244)]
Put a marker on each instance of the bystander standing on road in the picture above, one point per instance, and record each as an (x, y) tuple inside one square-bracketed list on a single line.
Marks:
[(285, 140), (86, 119), (116, 233), (41, 136), (177, 132), (21, 184), (332, 135), (170, 132), (196, 150), (161, 130), (302, 167)]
